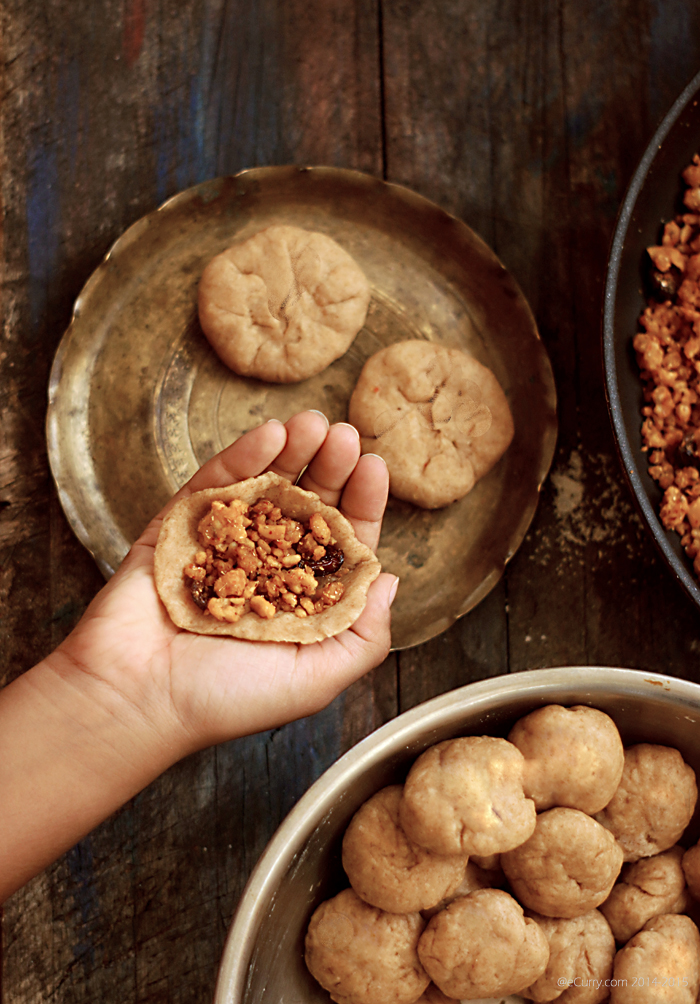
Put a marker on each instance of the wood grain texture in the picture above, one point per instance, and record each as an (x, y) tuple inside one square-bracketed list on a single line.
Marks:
[(108, 109), (526, 119)]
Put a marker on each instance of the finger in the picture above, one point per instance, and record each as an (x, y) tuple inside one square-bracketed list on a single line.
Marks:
[(364, 498), (247, 457), (373, 626), (333, 464), (305, 435), (325, 670)]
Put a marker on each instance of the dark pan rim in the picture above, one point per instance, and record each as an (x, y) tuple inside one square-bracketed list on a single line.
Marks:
[(629, 462)]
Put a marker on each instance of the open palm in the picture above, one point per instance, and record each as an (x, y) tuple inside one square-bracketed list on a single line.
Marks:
[(197, 690)]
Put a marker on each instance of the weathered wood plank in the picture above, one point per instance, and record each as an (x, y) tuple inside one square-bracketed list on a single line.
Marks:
[(108, 109), (519, 128), (436, 91), (588, 566), (505, 113)]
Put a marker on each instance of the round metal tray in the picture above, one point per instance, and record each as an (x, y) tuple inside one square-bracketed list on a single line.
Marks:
[(138, 400)]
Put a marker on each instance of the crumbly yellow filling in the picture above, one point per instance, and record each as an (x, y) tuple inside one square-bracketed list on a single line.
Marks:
[(253, 558)]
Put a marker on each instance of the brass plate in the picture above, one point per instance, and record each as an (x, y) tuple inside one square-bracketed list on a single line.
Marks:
[(138, 400)]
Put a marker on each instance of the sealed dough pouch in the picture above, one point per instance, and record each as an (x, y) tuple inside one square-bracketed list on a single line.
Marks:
[(465, 796), (567, 867), (262, 560), (654, 801), (581, 954), (363, 955), (283, 304), (573, 757), (438, 417), (482, 945), (650, 887), (386, 869)]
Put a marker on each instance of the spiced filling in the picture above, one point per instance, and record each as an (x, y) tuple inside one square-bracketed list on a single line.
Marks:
[(254, 558)]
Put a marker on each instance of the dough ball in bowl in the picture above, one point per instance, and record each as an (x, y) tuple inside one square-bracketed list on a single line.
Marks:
[(437, 416), (660, 965), (283, 304), (386, 869), (654, 801), (567, 867), (482, 945), (362, 955), (691, 870), (465, 796), (581, 954), (474, 878), (488, 863), (434, 995), (573, 757), (648, 888)]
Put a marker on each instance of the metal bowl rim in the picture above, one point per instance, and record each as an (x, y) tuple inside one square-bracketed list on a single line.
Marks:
[(298, 825)]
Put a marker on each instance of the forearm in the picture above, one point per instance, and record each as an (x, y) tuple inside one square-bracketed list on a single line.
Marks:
[(72, 751)]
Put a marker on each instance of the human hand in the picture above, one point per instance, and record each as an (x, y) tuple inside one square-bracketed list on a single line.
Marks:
[(194, 690)]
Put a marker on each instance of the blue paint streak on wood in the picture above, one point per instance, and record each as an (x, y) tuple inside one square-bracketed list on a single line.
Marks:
[(182, 158), (672, 54), (80, 866), (216, 112), (240, 88), (162, 161), (68, 111), (206, 97), (193, 165), (202, 168), (55, 149), (256, 118), (43, 224)]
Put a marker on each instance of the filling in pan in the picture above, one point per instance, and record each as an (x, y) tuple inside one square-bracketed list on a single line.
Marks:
[(668, 353)]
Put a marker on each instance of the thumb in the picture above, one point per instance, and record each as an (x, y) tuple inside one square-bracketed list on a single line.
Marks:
[(374, 623), (328, 668)]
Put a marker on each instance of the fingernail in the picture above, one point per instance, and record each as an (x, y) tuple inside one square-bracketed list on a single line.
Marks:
[(315, 411), (377, 455), (349, 427), (392, 594), (274, 420)]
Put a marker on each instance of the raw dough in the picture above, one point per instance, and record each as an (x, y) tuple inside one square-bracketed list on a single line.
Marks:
[(648, 888), (691, 870), (660, 965), (581, 954), (386, 869), (437, 416), (573, 757), (465, 796), (653, 803), (567, 867), (474, 878), (282, 305), (482, 946), (362, 955)]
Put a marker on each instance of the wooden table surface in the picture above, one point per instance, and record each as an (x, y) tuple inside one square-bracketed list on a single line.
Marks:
[(525, 118)]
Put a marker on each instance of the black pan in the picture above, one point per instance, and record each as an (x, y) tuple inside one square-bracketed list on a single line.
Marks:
[(653, 197)]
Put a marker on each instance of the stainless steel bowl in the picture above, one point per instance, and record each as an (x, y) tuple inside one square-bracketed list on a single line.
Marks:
[(263, 960)]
